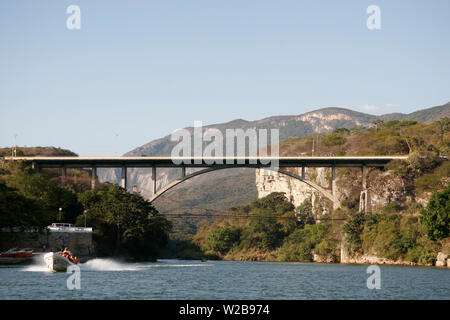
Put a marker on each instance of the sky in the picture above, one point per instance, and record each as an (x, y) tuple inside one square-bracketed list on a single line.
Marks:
[(136, 71)]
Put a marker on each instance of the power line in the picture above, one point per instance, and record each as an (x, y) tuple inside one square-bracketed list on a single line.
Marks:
[(227, 214), (185, 215)]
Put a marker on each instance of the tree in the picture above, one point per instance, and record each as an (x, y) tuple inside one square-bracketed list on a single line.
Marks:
[(334, 139), (222, 239), (17, 210), (436, 216), (443, 126), (125, 223), (304, 214), (354, 228), (378, 123), (48, 194)]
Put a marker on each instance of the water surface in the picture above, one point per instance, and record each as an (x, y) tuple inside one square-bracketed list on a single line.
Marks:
[(178, 279)]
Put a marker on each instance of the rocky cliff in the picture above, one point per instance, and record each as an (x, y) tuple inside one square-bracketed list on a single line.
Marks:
[(383, 187)]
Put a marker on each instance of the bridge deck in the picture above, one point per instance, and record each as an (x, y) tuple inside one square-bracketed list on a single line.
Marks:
[(257, 162)]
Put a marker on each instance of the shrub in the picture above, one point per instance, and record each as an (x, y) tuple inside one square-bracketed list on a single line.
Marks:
[(334, 139), (222, 239), (353, 229), (435, 217), (304, 214), (297, 252), (298, 246)]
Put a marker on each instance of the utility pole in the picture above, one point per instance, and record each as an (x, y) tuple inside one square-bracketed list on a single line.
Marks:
[(15, 145), (115, 143)]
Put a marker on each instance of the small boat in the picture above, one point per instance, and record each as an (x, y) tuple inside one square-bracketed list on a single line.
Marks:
[(16, 256), (24, 253), (17, 253), (57, 262)]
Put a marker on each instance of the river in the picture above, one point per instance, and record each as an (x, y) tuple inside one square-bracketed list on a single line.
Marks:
[(180, 279)]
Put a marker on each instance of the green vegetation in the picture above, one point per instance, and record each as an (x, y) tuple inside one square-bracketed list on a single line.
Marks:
[(390, 235), (274, 232), (334, 139), (301, 243), (17, 210), (436, 216), (36, 198), (383, 138), (222, 239), (268, 229), (37, 151), (124, 223)]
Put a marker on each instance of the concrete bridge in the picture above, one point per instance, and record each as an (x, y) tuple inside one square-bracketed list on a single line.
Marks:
[(208, 164)]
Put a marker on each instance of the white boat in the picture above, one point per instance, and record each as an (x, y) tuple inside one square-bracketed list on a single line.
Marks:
[(67, 227), (56, 262)]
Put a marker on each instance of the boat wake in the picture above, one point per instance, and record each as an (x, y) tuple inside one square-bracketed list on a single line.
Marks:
[(107, 265), (38, 265)]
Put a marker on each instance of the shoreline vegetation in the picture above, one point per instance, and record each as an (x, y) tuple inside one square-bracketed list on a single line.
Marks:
[(412, 229)]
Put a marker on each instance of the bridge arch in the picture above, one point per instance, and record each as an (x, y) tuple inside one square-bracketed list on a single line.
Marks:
[(314, 185)]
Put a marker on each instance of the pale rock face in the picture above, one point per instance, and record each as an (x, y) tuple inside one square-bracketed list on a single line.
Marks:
[(441, 260), (322, 258), (319, 120), (373, 259), (441, 256), (385, 188), (140, 177), (295, 190)]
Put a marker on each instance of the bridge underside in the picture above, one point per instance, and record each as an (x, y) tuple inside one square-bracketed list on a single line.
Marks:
[(184, 177), (206, 162)]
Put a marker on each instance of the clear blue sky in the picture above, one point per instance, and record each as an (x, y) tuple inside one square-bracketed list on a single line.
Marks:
[(142, 69)]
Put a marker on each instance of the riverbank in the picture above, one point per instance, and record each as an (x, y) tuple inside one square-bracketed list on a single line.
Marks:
[(255, 255)]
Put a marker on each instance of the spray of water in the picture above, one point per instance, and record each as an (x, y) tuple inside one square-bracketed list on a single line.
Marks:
[(107, 265), (38, 264)]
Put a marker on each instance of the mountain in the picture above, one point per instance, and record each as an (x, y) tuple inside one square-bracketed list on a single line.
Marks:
[(425, 115), (218, 189), (290, 127), (321, 120)]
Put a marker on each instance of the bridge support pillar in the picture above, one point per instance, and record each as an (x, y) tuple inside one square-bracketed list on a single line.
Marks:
[(93, 178), (334, 187), (183, 172), (154, 179), (123, 179), (303, 172), (63, 176), (364, 199)]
